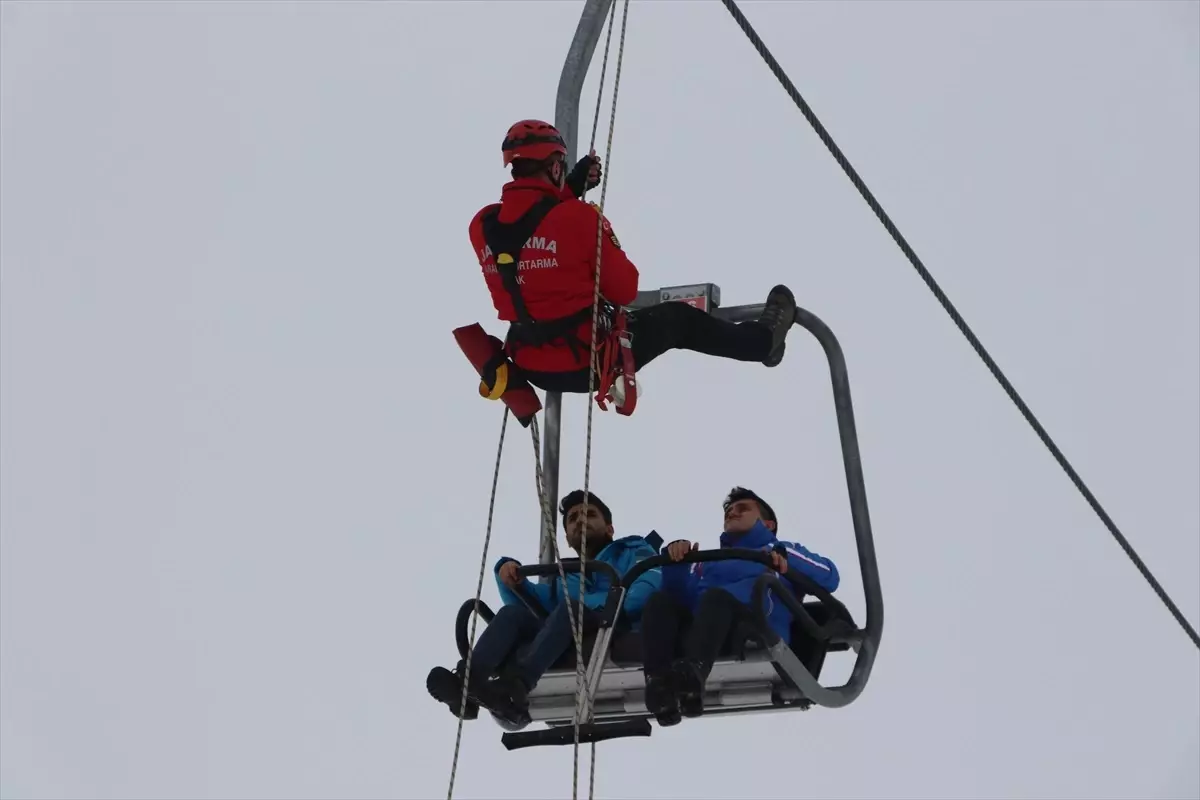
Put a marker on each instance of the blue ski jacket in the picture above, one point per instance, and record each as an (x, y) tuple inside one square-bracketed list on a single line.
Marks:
[(688, 581), (622, 554)]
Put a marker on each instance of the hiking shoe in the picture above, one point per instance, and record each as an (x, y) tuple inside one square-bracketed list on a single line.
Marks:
[(447, 687), (778, 314), (661, 701)]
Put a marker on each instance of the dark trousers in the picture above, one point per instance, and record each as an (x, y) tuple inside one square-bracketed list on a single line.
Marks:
[(514, 626), (672, 326), (669, 628)]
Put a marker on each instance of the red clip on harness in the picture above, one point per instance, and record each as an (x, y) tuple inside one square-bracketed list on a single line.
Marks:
[(618, 341)]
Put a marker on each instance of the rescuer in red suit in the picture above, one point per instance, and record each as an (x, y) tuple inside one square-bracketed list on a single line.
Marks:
[(557, 271)]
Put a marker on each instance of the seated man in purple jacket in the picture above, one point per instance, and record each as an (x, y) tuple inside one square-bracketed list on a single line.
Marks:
[(699, 606)]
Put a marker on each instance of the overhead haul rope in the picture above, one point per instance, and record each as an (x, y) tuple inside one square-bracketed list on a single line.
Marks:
[(954, 315)]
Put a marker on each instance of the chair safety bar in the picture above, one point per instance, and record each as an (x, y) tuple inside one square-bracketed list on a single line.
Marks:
[(464, 617), (802, 583), (572, 566), (608, 616)]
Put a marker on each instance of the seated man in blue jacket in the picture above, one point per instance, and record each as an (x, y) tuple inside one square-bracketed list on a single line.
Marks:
[(500, 677), (700, 606)]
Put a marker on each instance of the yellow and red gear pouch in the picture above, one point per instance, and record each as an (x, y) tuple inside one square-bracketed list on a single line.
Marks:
[(499, 378)]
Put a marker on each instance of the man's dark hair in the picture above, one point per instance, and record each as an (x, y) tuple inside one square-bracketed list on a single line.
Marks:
[(739, 493), (576, 498), (528, 167)]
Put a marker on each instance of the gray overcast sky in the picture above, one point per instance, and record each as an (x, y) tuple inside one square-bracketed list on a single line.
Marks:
[(245, 471)]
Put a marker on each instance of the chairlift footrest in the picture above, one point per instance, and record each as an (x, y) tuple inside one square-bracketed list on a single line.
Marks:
[(588, 732)]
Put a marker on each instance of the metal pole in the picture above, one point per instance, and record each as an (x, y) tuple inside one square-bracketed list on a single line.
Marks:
[(566, 119)]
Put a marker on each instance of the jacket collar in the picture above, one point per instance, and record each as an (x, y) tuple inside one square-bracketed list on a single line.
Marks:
[(758, 536), (518, 196), (614, 549), (528, 185)]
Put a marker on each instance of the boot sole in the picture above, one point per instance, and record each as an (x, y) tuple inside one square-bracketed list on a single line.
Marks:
[(789, 303)]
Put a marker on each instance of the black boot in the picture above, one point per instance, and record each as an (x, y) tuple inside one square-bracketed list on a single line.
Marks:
[(447, 687), (778, 314), (661, 700), (688, 678), (507, 697)]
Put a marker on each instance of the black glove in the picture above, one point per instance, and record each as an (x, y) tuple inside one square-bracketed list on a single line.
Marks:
[(585, 175)]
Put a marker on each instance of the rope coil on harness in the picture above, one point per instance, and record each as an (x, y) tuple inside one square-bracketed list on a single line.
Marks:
[(927, 277)]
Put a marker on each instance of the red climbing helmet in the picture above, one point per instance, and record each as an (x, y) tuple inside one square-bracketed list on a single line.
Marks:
[(532, 138)]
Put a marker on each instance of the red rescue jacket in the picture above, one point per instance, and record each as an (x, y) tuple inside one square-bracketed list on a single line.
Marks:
[(557, 270)]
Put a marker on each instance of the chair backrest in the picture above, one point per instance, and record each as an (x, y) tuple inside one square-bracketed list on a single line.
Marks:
[(654, 540)]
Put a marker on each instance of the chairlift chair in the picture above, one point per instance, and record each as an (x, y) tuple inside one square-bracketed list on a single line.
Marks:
[(768, 675)]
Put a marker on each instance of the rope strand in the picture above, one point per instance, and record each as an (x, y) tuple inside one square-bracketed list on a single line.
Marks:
[(487, 541), (580, 711), (582, 686), (576, 626)]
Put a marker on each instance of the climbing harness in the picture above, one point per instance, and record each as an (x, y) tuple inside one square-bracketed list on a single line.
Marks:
[(506, 241), (494, 360), (927, 277)]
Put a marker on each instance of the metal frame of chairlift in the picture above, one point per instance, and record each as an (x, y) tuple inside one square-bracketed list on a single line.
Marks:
[(769, 675)]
